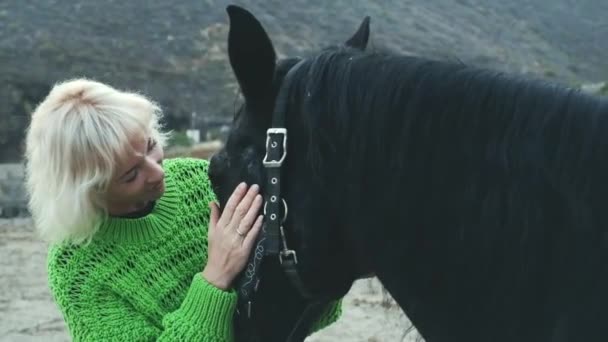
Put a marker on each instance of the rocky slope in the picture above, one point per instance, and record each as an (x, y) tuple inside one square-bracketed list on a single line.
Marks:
[(175, 51)]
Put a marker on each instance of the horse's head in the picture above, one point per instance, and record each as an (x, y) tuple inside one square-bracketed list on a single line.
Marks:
[(321, 265)]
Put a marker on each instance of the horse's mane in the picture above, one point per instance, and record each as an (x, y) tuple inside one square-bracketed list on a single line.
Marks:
[(494, 153), (378, 107)]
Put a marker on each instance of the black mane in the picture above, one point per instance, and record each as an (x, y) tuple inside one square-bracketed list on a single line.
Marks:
[(364, 102)]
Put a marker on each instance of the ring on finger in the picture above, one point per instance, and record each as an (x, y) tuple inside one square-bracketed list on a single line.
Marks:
[(239, 232)]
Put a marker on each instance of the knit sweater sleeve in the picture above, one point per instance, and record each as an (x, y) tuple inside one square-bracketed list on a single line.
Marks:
[(331, 314), (96, 313), (205, 315)]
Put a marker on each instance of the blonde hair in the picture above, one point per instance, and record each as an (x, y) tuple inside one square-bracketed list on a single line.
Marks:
[(73, 143)]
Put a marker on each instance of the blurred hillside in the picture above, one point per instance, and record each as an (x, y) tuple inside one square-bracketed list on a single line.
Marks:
[(176, 51)]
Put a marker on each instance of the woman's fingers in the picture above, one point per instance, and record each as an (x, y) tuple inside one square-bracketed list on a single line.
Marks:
[(231, 205), (234, 233), (252, 234), (244, 206), (247, 222)]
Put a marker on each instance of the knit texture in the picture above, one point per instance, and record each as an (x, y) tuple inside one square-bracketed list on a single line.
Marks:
[(140, 278)]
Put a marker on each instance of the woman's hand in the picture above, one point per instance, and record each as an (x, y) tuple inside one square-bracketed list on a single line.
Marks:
[(231, 236)]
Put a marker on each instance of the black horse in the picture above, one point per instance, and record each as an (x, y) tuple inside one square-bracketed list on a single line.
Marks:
[(478, 198)]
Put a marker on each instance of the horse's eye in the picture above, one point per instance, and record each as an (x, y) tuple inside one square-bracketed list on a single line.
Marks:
[(252, 160), (252, 166), (248, 152), (244, 145)]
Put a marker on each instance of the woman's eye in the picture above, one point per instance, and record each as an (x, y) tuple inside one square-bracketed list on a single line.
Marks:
[(132, 178), (151, 144)]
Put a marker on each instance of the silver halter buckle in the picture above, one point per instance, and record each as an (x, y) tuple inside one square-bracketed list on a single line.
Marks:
[(275, 163)]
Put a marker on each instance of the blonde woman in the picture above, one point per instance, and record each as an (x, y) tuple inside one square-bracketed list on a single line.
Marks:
[(138, 249)]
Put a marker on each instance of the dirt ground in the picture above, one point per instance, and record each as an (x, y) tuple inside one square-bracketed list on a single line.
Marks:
[(27, 312)]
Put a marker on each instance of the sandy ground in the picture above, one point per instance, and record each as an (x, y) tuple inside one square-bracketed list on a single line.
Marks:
[(27, 312)]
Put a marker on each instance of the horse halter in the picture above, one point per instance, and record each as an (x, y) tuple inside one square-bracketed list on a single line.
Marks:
[(272, 241)]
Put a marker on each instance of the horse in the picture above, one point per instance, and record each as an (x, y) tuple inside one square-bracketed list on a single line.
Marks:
[(476, 196)]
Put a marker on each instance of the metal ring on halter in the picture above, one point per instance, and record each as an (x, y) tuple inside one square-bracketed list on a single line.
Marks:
[(284, 207)]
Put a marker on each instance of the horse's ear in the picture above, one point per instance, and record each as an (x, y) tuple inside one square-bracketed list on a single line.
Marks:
[(361, 37), (251, 53)]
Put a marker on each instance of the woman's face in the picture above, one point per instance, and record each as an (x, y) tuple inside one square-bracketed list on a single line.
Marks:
[(139, 179)]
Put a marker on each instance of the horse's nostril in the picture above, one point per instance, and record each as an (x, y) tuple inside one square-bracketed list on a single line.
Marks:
[(216, 164)]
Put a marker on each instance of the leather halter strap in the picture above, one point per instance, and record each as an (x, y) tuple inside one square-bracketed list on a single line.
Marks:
[(272, 241)]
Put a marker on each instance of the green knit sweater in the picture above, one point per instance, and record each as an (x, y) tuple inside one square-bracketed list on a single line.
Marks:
[(140, 278)]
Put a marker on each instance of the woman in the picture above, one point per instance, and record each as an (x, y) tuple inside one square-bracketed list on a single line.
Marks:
[(138, 250)]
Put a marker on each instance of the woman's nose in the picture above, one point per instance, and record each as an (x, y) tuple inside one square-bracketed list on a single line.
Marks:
[(156, 173)]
